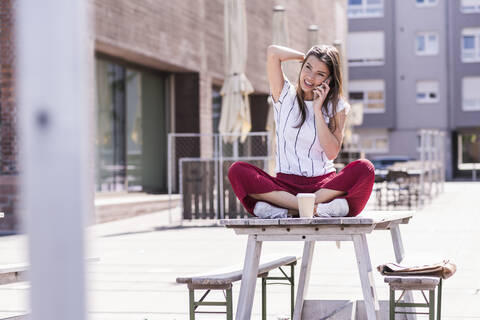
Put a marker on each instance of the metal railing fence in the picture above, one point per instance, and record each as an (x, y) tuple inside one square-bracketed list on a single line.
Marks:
[(198, 170)]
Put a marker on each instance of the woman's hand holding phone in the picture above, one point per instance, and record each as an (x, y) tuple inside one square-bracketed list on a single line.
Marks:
[(320, 94)]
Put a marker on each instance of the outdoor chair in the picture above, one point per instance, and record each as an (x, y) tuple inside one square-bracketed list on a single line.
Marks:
[(399, 190)]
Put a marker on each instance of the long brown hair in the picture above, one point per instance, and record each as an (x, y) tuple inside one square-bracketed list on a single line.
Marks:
[(331, 57)]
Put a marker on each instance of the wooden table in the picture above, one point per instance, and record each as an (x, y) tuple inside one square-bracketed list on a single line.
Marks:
[(310, 231)]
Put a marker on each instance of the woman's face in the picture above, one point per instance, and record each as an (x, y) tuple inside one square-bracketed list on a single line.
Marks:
[(313, 73)]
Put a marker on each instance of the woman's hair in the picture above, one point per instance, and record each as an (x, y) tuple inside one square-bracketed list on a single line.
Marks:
[(331, 57)]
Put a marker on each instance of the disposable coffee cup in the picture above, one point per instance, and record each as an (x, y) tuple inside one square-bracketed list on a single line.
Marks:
[(306, 202)]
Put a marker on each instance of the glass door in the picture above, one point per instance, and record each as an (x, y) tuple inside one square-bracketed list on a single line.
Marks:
[(110, 139), (131, 139)]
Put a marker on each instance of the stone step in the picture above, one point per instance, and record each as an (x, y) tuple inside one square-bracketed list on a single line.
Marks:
[(343, 310), (110, 207)]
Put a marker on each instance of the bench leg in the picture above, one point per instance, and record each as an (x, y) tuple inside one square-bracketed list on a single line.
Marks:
[(264, 298), (308, 249), (431, 305), (249, 278), (229, 304), (192, 303), (291, 282), (292, 289), (399, 255), (392, 304), (439, 300), (366, 277)]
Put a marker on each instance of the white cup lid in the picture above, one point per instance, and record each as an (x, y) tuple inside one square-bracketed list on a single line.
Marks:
[(306, 195)]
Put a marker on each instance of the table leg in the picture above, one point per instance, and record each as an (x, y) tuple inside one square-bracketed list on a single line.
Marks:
[(304, 277), (399, 255), (249, 278), (397, 243), (366, 277)]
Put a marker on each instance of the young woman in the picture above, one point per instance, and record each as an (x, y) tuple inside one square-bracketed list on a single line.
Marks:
[(310, 121)]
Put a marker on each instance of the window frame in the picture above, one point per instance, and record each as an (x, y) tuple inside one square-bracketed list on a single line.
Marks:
[(475, 52), (363, 10), (476, 107), (429, 50), (374, 138), (426, 3), (461, 164), (368, 62), (427, 100), (476, 8), (366, 101)]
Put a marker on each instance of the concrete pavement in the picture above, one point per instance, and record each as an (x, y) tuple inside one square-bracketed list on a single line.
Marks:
[(141, 257)]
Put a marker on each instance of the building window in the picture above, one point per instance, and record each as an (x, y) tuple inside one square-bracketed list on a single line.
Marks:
[(365, 8), (131, 128), (373, 141), (470, 6), (427, 92), (366, 48), (369, 93), (426, 43), (216, 107), (471, 45), (426, 3), (471, 94), (468, 150)]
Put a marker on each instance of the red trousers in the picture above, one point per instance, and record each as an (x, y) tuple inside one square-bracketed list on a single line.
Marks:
[(356, 179)]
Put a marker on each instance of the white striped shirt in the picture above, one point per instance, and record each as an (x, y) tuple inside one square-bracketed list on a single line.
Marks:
[(298, 149)]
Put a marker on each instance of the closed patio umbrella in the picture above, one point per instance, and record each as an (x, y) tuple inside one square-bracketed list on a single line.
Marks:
[(235, 117), (279, 26), (313, 36)]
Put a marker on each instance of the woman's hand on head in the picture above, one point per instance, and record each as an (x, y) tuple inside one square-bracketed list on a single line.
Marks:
[(275, 56)]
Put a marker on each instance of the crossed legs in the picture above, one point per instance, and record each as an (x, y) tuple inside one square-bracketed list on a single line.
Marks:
[(357, 178), (287, 200)]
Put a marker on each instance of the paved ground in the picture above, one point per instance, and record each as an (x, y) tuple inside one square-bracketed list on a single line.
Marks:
[(141, 257)]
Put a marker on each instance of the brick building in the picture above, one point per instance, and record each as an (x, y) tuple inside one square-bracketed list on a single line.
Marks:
[(158, 69), (8, 138)]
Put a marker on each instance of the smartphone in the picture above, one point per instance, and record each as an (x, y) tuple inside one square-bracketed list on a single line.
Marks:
[(327, 81)]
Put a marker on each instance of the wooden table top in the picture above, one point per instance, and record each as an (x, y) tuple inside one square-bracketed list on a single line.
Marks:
[(381, 218)]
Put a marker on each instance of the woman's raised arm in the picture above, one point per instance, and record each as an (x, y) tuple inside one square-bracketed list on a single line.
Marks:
[(275, 56)]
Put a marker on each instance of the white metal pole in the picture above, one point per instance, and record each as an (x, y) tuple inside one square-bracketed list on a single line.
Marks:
[(220, 163), (423, 167), (434, 154), (442, 156), (215, 161), (430, 164), (56, 147), (438, 154), (169, 174)]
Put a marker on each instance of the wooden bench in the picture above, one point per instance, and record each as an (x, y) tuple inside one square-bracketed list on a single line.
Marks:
[(16, 272), (10, 273), (417, 283), (224, 280)]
